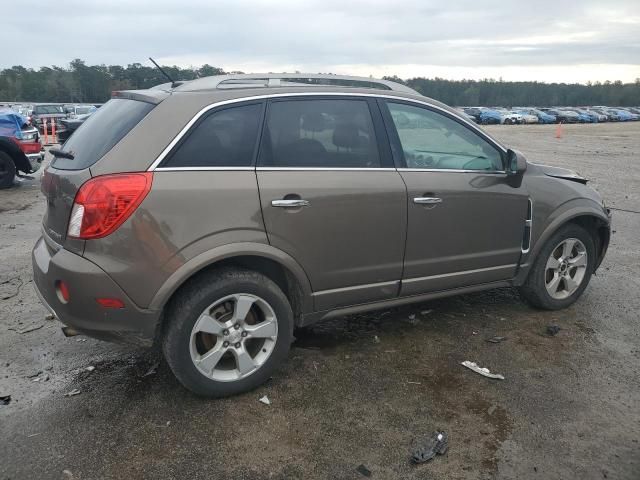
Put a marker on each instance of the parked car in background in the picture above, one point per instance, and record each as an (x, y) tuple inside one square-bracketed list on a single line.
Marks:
[(74, 111), (474, 112), (490, 117), (462, 112), (20, 147), (48, 112), (601, 117), (582, 116), (542, 117), (70, 125), (626, 115), (216, 237), (510, 117), (564, 116), (527, 118)]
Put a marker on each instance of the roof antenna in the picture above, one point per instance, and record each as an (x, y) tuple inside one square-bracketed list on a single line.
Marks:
[(174, 84)]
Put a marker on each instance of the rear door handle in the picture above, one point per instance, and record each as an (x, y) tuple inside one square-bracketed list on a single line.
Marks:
[(427, 200), (293, 203)]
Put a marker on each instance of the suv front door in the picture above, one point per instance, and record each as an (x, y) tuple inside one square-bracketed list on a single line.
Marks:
[(466, 217), (331, 197)]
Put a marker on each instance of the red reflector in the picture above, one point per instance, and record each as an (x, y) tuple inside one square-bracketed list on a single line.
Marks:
[(63, 291), (110, 302), (104, 203), (31, 147)]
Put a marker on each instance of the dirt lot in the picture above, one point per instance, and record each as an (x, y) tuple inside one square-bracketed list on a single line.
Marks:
[(362, 390)]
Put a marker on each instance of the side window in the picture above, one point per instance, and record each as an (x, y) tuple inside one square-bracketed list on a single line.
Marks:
[(225, 138), (319, 133), (431, 140)]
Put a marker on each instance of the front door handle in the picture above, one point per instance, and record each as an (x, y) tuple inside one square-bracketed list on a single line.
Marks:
[(427, 200), (292, 203)]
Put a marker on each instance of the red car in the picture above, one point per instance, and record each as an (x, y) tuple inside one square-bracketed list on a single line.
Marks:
[(20, 147)]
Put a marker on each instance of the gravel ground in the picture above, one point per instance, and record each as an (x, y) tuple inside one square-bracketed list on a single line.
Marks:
[(361, 390)]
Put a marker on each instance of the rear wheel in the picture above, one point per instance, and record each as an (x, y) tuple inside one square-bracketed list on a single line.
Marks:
[(228, 332), (7, 170), (562, 269)]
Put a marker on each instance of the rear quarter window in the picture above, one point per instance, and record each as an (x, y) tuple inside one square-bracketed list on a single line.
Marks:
[(101, 132)]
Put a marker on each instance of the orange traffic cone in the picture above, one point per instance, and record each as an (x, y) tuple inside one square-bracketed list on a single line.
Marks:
[(53, 131), (559, 130), (46, 135)]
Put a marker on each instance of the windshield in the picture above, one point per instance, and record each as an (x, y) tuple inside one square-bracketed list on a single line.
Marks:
[(100, 132), (48, 109)]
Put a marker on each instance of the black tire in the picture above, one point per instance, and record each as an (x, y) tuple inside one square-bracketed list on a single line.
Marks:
[(508, 121), (7, 170), (192, 301), (534, 290)]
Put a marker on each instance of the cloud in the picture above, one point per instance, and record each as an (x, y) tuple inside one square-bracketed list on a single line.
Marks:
[(545, 36)]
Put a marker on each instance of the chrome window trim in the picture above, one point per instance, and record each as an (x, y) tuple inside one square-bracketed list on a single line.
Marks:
[(200, 169), (325, 169), (211, 106)]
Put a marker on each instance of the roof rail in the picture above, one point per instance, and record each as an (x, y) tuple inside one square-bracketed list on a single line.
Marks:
[(270, 80)]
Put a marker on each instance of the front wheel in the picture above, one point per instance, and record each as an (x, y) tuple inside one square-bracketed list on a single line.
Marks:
[(7, 170), (562, 270), (227, 332)]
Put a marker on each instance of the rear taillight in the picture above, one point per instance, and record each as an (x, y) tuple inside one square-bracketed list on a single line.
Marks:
[(104, 203)]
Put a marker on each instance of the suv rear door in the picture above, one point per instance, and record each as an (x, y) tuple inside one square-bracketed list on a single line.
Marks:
[(466, 217), (331, 197)]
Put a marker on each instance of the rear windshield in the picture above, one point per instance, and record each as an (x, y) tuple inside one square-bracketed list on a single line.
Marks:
[(47, 109), (101, 131)]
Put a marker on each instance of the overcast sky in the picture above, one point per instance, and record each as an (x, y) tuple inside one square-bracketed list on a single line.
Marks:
[(570, 41)]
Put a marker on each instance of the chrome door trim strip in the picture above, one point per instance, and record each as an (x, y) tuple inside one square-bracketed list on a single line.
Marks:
[(211, 106), (392, 283), (453, 274), (453, 170)]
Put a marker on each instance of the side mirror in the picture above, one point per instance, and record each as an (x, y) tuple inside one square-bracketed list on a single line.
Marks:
[(516, 163)]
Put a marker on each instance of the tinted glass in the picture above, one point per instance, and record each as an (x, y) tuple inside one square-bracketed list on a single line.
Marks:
[(102, 130), (319, 133), (226, 138), (430, 140)]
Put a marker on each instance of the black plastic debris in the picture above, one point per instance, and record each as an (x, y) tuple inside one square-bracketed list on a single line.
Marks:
[(437, 444), (5, 400), (364, 471), (552, 330), (496, 339)]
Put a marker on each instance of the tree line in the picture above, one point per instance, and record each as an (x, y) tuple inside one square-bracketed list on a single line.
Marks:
[(82, 83)]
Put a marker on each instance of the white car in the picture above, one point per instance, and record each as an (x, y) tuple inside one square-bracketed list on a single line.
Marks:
[(510, 118), (528, 117)]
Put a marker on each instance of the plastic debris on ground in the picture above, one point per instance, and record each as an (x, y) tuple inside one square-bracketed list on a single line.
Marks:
[(496, 339), (437, 444), (72, 393), (5, 399), (376, 339), (364, 471), (152, 370), (482, 371), (552, 330), (264, 399), (90, 368)]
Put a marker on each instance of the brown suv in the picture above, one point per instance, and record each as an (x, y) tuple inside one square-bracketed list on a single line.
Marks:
[(215, 215)]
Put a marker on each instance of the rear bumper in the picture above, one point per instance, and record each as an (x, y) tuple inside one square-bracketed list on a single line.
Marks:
[(35, 160), (86, 282)]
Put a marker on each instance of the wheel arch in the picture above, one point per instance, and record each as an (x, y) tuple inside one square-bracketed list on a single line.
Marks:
[(271, 262), (20, 160), (588, 215)]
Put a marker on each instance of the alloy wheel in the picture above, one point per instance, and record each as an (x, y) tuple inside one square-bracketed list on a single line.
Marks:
[(233, 337), (566, 268)]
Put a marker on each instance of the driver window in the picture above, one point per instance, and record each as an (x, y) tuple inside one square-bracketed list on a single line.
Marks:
[(432, 141)]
